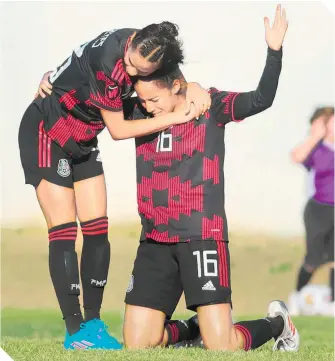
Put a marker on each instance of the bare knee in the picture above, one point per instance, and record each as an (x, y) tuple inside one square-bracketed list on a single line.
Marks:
[(143, 327), (216, 327), (222, 344), (140, 340)]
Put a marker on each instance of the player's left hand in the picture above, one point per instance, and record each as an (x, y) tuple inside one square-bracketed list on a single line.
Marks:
[(200, 98), (275, 35)]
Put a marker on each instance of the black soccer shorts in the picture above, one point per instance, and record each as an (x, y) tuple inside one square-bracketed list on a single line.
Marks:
[(319, 225), (163, 271), (42, 158)]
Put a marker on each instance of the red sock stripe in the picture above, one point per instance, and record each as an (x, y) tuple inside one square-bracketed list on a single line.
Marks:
[(174, 332), (65, 230), (62, 239), (65, 234), (93, 222), (96, 226), (247, 336), (94, 233)]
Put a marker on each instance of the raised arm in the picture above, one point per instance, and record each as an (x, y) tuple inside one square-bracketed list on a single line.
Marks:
[(238, 106)]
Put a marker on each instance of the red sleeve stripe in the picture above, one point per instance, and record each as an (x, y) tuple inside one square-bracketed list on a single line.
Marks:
[(232, 109)]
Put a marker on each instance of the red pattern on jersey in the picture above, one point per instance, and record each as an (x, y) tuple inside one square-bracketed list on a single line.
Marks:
[(228, 101), (211, 169), (69, 99), (120, 74), (192, 138), (63, 129), (212, 228), (116, 103), (162, 237), (182, 198)]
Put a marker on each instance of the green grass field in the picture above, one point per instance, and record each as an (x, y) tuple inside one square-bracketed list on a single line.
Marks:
[(37, 335), (263, 268)]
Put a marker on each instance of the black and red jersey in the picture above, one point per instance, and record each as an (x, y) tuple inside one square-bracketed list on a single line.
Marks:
[(93, 77), (180, 178)]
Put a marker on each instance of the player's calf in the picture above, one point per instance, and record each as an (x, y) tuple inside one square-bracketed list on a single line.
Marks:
[(94, 266), (63, 265)]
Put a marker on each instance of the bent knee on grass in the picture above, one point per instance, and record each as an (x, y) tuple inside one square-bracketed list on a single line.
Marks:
[(217, 329), (143, 327)]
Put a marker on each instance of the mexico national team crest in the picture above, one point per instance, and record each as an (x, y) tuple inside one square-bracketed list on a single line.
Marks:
[(63, 168), (112, 90)]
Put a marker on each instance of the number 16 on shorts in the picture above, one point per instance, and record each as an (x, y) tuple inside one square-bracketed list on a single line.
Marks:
[(207, 263)]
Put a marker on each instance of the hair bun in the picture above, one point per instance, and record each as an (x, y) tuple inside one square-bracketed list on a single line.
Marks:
[(168, 29)]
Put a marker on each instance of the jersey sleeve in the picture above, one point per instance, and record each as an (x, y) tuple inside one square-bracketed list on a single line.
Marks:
[(234, 106), (103, 63), (133, 110)]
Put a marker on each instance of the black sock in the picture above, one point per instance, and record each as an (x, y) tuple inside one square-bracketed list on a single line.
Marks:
[(303, 278), (277, 325), (255, 333), (180, 330), (94, 265), (331, 284), (63, 266)]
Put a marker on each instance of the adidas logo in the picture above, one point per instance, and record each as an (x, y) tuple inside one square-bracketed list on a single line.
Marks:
[(208, 286)]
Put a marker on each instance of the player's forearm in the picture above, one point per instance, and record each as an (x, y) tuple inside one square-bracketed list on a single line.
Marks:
[(141, 127), (300, 153), (248, 104), (123, 129)]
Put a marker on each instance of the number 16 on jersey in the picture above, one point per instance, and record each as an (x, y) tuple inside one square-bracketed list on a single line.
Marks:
[(164, 143), (203, 267)]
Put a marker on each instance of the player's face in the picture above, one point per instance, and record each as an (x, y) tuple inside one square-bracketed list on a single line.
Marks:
[(157, 100), (137, 65)]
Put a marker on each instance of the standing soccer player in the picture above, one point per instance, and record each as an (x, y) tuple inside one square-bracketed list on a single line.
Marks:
[(184, 240), (316, 154), (60, 158)]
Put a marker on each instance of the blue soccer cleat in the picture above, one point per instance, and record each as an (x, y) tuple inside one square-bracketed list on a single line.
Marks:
[(100, 328), (89, 338)]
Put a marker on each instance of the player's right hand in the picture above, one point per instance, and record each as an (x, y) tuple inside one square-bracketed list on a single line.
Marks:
[(181, 117), (45, 87), (318, 128)]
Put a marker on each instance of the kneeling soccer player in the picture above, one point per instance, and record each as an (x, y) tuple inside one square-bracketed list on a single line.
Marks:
[(184, 241)]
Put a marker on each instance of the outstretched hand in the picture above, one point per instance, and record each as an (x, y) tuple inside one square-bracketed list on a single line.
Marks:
[(275, 35)]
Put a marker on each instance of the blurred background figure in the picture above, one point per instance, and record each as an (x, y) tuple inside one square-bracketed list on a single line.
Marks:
[(316, 154)]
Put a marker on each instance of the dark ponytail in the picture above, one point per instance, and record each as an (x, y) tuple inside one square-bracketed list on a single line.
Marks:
[(159, 43)]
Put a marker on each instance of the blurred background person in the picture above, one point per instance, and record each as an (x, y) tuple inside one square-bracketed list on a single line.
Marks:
[(316, 154)]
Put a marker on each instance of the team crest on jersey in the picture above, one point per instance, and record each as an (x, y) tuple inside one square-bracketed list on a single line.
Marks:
[(131, 284), (112, 90), (63, 168)]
